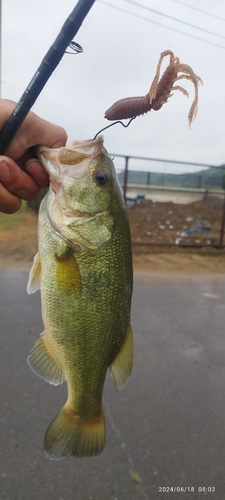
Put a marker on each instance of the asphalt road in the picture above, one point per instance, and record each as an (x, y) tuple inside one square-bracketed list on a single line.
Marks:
[(166, 429)]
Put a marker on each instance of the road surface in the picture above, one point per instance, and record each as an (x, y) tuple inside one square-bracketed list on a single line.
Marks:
[(165, 430)]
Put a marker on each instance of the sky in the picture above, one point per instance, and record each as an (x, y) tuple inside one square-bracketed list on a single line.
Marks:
[(122, 41)]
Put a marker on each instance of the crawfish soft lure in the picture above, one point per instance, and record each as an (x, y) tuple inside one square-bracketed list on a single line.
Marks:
[(159, 92)]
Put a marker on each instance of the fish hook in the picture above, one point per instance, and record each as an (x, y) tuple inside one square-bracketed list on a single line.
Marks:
[(111, 125)]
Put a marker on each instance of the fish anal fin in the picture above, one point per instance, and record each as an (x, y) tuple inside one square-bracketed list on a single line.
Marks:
[(43, 363), (70, 434), (35, 275), (120, 368), (68, 277)]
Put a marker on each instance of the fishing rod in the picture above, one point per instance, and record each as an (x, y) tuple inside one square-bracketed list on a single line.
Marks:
[(46, 68)]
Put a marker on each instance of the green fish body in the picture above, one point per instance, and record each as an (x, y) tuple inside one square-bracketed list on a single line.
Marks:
[(84, 271)]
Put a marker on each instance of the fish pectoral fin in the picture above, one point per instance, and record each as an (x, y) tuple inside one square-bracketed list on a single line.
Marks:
[(68, 276), (70, 434), (34, 279), (42, 362), (120, 368)]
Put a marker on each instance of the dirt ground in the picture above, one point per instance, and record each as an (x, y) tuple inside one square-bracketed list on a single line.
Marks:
[(195, 223), (18, 238)]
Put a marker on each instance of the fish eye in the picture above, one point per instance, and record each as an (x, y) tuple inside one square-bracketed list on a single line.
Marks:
[(101, 178)]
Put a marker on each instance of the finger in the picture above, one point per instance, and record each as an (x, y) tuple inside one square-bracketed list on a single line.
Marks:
[(9, 203), (60, 137), (37, 173), (33, 132), (44, 133), (16, 181)]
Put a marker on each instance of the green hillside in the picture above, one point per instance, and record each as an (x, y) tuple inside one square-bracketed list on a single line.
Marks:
[(211, 178)]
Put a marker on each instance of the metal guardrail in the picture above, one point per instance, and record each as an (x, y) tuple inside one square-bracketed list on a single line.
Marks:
[(200, 179)]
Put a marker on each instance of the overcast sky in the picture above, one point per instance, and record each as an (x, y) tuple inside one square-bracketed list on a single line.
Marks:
[(122, 44)]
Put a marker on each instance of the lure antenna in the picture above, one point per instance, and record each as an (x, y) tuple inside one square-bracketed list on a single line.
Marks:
[(43, 73)]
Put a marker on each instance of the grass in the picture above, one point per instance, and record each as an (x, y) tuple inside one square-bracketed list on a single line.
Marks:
[(8, 221)]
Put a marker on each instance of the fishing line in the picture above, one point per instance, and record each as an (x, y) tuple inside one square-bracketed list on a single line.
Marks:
[(191, 36), (200, 10), (92, 13), (114, 123)]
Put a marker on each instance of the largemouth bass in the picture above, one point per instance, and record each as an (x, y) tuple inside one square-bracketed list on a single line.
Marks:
[(84, 271)]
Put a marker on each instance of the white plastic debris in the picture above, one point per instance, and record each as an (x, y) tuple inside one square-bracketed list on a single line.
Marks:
[(178, 241)]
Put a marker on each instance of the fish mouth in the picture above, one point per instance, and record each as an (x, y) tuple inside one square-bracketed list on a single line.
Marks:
[(87, 147), (72, 160)]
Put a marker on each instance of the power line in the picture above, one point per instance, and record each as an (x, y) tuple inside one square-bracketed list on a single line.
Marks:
[(174, 18), (162, 25), (199, 10)]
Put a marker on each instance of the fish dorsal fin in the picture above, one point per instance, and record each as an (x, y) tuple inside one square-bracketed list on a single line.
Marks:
[(35, 275), (120, 368), (42, 362)]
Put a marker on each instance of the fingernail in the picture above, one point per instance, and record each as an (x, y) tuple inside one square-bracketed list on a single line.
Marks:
[(30, 162), (4, 170)]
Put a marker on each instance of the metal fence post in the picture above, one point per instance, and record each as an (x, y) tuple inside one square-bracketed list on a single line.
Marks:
[(222, 223), (125, 177)]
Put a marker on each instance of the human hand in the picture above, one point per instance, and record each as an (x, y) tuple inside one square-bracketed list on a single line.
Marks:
[(17, 184)]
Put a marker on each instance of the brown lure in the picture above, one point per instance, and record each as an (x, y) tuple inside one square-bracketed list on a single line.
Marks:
[(159, 92)]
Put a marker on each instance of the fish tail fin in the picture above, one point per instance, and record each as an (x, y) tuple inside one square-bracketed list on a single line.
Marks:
[(69, 434)]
